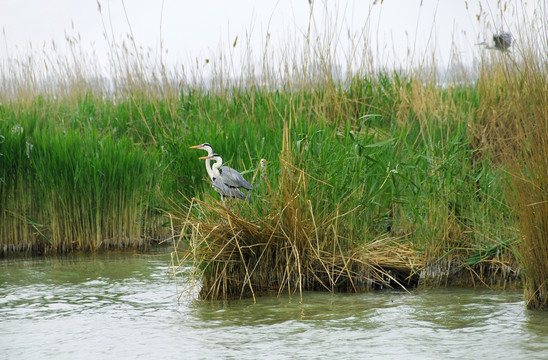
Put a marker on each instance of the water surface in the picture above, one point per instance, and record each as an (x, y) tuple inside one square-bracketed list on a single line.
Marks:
[(120, 305)]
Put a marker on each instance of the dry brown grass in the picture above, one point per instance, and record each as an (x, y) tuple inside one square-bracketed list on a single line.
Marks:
[(236, 257), (513, 130), (529, 198)]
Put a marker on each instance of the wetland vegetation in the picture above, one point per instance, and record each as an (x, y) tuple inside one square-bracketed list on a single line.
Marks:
[(380, 179)]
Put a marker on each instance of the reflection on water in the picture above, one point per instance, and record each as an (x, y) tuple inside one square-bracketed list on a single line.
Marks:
[(125, 306)]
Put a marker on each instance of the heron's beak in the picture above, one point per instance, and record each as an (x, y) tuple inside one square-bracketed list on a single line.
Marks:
[(195, 146), (205, 157)]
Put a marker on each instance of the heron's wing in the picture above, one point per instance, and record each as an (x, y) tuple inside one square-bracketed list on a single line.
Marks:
[(237, 194), (225, 190), (234, 179)]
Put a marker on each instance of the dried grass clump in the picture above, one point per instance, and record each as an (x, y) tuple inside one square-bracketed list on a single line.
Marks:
[(234, 257), (529, 197)]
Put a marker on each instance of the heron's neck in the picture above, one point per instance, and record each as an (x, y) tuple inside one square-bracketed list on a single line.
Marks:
[(208, 168), (215, 168)]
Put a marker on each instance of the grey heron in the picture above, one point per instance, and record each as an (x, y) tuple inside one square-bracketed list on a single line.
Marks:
[(230, 177), (501, 41), (226, 183)]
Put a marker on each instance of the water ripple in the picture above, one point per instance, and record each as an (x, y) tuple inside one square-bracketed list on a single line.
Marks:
[(126, 307)]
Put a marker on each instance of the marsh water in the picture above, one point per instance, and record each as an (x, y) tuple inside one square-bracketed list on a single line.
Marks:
[(122, 305)]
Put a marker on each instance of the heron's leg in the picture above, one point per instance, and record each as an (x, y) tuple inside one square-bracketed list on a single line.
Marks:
[(225, 203)]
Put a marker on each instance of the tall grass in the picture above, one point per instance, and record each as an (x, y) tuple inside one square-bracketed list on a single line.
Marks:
[(418, 181), (388, 151), (514, 127)]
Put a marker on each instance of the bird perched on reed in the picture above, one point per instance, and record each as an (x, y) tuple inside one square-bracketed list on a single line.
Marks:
[(501, 42)]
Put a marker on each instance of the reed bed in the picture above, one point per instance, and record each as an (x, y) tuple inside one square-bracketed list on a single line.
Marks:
[(398, 163), (64, 192), (519, 131)]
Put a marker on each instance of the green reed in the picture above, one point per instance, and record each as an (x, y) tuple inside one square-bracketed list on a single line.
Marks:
[(397, 170), (395, 153), (65, 191)]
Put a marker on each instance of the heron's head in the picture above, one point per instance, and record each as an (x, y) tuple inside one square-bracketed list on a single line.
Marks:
[(205, 146)]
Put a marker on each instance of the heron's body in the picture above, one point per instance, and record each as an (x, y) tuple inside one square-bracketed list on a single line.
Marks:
[(223, 182), (220, 186), (231, 177)]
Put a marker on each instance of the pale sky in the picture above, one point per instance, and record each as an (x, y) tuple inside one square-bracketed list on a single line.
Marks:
[(184, 32)]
